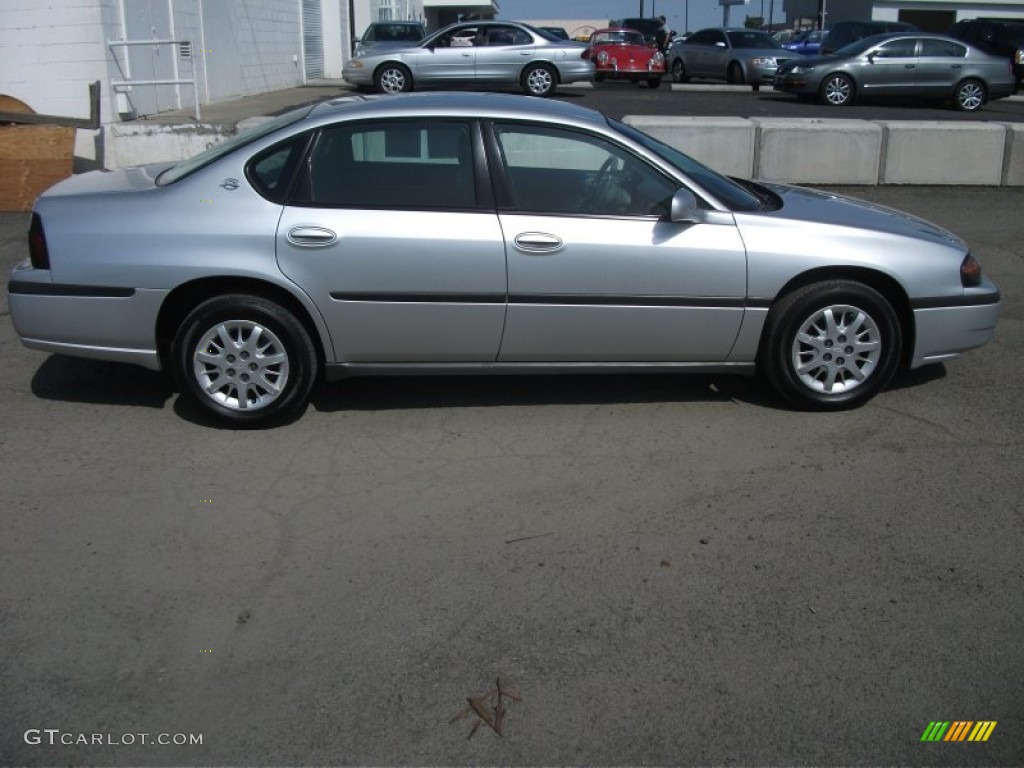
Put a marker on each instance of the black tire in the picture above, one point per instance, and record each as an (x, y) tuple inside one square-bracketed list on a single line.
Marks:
[(539, 80), (599, 77), (654, 82), (970, 95), (734, 74), (392, 78), (837, 90), (213, 375), (827, 366), (679, 72)]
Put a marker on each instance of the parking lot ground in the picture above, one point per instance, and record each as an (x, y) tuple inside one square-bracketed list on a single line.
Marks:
[(665, 570)]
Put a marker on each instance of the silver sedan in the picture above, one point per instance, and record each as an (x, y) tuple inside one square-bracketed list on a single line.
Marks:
[(479, 52), (735, 55), (481, 233), (900, 64)]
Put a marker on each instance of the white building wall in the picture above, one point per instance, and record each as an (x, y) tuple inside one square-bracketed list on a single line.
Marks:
[(965, 9)]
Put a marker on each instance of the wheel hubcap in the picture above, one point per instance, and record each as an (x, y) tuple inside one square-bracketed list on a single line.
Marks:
[(539, 81), (241, 365), (970, 96), (836, 349), (837, 91), (392, 80)]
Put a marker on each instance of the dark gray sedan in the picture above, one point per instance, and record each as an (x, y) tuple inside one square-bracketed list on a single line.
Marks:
[(737, 56), (478, 52), (900, 64)]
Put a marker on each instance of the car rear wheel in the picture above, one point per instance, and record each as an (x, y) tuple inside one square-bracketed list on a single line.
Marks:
[(539, 80), (831, 345), (969, 96), (735, 74), (393, 78), (244, 360), (679, 72), (837, 90)]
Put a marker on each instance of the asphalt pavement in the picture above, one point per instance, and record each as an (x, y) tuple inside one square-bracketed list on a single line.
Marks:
[(661, 570)]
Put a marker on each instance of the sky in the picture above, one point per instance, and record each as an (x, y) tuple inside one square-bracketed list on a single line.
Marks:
[(700, 13)]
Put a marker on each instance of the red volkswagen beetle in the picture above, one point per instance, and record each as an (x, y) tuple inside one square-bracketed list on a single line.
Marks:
[(623, 54)]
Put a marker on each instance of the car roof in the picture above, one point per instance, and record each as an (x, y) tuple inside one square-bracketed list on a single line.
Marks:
[(458, 104)]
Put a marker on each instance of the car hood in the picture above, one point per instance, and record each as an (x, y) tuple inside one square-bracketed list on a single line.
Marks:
[(827, 208), (98, 182), (773, 53)]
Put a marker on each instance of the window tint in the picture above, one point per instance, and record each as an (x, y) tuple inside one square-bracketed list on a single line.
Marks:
[(943, 48), (566, 172), (271, 171), (414, 164), (897, 49)]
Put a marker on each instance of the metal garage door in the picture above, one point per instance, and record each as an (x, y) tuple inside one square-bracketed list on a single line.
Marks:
[(313, 39)]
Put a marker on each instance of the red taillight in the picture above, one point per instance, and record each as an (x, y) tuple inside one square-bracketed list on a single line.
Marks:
[(970, 272), (37, 244)]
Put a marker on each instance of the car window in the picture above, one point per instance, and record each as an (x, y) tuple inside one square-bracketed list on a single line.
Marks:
[(507, 36), (551, 170), (461, 37), (271, 171), (704, 37), (897, 49), (401, 164), (943, 48)]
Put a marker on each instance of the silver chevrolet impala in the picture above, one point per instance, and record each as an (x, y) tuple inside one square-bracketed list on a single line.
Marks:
[(481, 233)]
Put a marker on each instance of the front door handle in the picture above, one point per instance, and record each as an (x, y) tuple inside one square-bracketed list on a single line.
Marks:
[(311, 237), (537, 242)]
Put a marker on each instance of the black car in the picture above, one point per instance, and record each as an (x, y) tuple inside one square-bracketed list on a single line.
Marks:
[(845, 32), (649, 27), (1000, 37)]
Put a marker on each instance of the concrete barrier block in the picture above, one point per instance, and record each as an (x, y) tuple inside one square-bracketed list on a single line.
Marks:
[(725, 144), (126, 144), (926, 152), (813, 151), (1013, 168)]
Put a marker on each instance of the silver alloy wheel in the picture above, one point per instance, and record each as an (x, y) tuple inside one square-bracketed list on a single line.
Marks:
[(836, 349), (678, 71), (539, 81), (970, 96), (392, 80), (241, 365), (837, 90)]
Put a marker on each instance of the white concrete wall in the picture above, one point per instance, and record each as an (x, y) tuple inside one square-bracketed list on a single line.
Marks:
[(888, 10)]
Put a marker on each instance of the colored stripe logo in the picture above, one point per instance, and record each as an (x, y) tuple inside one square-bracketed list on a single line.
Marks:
[(958, 730)]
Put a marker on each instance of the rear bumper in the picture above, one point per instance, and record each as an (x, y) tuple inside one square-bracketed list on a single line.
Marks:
[(98, 322)]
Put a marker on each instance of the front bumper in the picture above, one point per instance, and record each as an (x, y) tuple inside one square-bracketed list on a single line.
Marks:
[(791, 83), (943, 332), (357, 75)]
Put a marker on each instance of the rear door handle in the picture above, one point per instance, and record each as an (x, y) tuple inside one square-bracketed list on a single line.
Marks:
[(311, 237), (537, 242)]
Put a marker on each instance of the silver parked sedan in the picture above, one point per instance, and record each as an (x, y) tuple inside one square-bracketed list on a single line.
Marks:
[(735, 55), (479, 52), (481, 233), (901, 64)]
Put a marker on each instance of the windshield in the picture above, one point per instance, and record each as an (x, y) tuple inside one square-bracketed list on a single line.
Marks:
[(620, 36), (221, 149), (752, 40), (731, 194)]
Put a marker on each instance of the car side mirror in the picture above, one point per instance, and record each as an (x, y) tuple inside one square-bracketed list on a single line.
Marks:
[(684, 208)]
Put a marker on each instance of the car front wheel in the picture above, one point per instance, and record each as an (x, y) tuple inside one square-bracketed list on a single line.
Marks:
[(393, 78), (969, 96), (831, 345), (539, 80), (654, 82), (837, 90), (244, 360)]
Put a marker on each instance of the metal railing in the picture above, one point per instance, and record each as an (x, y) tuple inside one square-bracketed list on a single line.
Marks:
[(184, 45)]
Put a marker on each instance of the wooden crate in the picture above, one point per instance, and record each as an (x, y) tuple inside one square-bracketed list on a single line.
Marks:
[(32, 158)]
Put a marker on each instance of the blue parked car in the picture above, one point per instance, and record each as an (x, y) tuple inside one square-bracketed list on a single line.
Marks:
[(807, 43)]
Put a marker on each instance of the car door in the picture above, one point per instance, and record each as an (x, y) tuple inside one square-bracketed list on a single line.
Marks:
[(502, 53), (386, 236), (940, 66), (596, 272), (447, 58), (890, 69)]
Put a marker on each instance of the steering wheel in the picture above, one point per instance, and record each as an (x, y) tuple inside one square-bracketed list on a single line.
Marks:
[(595, 191)]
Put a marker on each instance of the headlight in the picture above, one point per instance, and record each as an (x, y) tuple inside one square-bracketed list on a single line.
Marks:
[(602, 57), (801, 69), (658, 57), (355, 64), (763, 62)]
